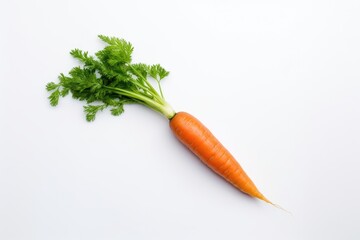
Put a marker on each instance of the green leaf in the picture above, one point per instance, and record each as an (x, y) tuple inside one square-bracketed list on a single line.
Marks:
[(140, 69), (116, 111), (116, 41), (54, 98), (118, 52), (163, 73), (92, 110), (61, 78), (78, 54), (64, 92), (158, 72), (84, 57), (51, 86)]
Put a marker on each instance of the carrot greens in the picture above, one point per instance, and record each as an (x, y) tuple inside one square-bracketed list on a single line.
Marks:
[(110, 79)]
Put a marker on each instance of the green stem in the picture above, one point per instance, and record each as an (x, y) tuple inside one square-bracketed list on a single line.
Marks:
[(162, 107), (159, 86), (151, 88)]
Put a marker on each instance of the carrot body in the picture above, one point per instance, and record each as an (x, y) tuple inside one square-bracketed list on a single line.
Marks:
[(193, 134)]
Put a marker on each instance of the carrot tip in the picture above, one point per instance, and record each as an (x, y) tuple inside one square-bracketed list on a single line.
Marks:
[(263, 198), (278, 206)]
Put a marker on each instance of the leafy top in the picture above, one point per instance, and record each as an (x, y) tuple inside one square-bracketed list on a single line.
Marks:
[(110, 79)]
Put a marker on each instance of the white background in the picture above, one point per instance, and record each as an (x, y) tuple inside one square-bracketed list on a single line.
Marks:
[(278, 82)]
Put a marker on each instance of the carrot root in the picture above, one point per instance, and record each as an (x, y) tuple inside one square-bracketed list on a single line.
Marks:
[(193, 134)]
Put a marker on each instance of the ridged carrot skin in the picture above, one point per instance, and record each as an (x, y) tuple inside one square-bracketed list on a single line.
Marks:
[(193, 134)]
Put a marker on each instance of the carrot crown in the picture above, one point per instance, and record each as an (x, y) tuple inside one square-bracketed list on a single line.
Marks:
[(110, 79)]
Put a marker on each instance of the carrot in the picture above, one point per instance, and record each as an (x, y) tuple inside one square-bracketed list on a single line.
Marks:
[(194, 135), (110, 80)]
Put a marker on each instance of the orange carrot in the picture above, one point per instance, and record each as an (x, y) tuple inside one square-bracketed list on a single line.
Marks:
[(193, 134), (110, 80)]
